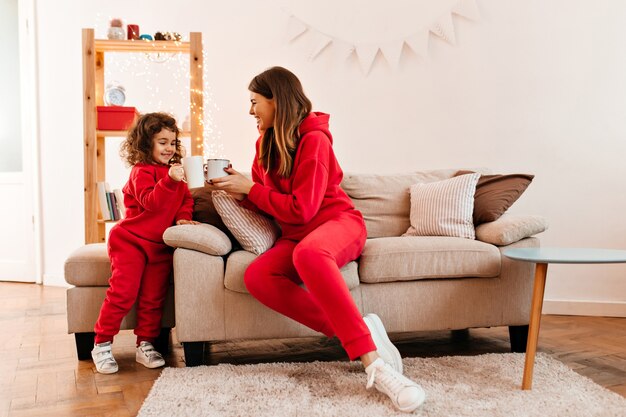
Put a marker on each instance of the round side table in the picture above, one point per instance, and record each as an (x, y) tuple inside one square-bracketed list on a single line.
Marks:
[(542, 257)]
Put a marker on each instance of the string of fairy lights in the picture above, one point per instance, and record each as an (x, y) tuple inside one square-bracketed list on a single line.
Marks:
[(161, 82)]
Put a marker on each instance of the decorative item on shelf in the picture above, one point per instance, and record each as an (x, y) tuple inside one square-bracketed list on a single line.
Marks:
[(132, 32), (116, 30), (114, 94), (187, 124), (145, 37), (116, 117), (168, 36)]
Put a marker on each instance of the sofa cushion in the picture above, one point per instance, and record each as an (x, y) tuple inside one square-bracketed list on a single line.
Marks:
[(496, 193), (443, 208), (88, 265), (384, 199), (417, 257), (238, 262), (201, 237), (510, 228), (255, 232)]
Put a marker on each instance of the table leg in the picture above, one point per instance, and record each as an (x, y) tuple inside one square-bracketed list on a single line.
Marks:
[(533, 329)]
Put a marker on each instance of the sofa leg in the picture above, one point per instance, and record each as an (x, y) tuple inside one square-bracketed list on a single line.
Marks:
[(519, 337), (194, 353), (162, 342), (84, 344), (461, 335)]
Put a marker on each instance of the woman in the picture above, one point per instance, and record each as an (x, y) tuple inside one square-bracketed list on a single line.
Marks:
[(296, 180)]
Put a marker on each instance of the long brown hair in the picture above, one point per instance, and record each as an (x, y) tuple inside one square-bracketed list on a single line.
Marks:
[(138, 144), (279, 143)]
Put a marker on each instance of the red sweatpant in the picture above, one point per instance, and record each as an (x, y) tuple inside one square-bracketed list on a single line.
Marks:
[(140, 273), (325, 305)]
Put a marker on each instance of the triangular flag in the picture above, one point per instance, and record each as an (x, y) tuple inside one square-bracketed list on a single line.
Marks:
[(392, 52), (366, 55), (295, 28), (444, 28), (468, 9), (320, 43), (342, 50), (419, 43)]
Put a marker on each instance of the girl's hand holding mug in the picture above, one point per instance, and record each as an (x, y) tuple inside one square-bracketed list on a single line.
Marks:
[(176, 172), (181, 221)]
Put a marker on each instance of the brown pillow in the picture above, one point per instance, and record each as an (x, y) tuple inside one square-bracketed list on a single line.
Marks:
[(204, 211), (496, 193)]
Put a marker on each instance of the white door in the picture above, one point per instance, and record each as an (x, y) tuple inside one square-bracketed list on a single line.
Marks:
[(19, 252)]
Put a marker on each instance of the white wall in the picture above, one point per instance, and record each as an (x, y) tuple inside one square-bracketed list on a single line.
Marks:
[(535, 87)]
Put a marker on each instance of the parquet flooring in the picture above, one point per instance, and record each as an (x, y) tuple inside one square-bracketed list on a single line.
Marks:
[(40, 375)]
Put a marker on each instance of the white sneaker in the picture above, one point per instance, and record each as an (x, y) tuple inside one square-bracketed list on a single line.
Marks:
[(405, 394), (147, 356), (386, 350), (103, 358)]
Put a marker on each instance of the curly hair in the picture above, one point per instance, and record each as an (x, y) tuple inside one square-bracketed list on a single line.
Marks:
[(138, 144)]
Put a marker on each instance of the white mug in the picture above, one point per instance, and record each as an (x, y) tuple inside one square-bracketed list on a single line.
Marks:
[(215, 168), (194, 171)]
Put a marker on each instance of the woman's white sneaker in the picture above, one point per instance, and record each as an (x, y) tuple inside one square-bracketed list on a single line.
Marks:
[(384, 347), (103, 358), (405, 394), (148, 356)]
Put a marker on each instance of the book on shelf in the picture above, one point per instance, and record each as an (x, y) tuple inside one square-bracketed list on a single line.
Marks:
[(113, 206), (119, 198), (111, 202), (102, 198)]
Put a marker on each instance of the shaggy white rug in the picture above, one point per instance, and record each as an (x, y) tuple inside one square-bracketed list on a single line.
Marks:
[(485, 385)]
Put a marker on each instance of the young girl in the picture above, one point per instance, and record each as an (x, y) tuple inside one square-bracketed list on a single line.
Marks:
[(295, 179), (155, 198)]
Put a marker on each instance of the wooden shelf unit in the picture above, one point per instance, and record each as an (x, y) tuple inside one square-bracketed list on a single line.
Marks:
[(93, 90)]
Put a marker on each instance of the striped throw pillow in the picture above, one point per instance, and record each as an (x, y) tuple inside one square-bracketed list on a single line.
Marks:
[(254, 232), (443, 208)]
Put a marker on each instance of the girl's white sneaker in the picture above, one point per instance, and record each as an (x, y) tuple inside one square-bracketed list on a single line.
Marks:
[(148, 356), (103, 358)]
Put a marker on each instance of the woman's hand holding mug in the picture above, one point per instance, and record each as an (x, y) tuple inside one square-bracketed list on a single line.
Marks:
[(235, 183)]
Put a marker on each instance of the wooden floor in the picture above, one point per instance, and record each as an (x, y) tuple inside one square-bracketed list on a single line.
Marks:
[(40, 375)]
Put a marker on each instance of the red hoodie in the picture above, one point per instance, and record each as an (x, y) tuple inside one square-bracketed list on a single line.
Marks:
[(311, 195), (154, 201)]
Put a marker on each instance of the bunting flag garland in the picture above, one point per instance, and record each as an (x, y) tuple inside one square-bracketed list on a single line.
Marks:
[(366, 53), (419, 44), (444, 28), (295, 28), (467, 9)]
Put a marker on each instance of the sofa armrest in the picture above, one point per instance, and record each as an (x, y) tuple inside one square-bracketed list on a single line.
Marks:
[(200, 237), (510, 228), (199, 296)]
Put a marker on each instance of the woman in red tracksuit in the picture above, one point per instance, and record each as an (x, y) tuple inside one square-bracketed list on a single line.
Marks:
[(296, 180), (141, 264)]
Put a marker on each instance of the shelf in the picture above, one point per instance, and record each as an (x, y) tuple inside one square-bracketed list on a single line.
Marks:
[(100, 221), (107, 45), (123, 133), (94, 144)]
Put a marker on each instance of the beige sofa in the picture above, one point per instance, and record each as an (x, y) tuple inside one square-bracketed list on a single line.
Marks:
[(88, 270), (412, 283)]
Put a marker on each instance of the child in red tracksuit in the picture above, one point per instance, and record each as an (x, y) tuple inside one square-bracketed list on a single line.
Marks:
[(296, 180), (156, 197)]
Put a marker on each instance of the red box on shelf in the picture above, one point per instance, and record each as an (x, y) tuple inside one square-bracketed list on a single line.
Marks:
[(116, 117)]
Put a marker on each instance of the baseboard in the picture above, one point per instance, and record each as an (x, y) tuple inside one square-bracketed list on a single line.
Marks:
[(585, 308)]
